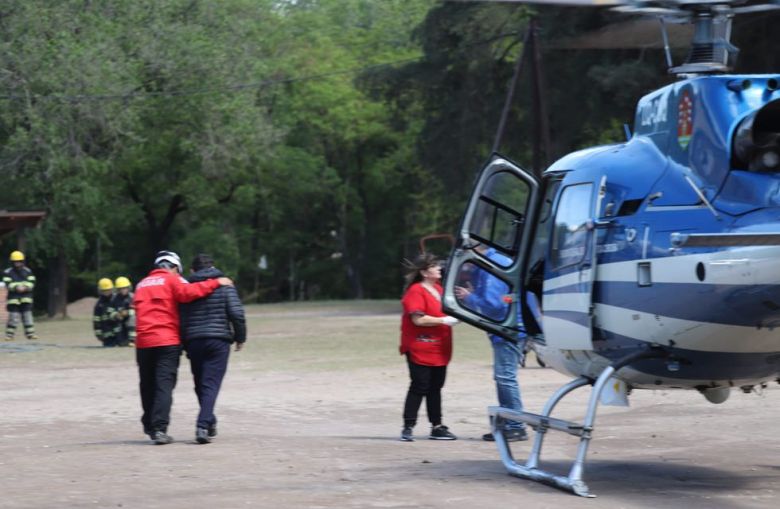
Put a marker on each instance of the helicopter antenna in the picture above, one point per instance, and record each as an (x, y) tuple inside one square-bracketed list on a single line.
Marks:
[(511, 91), (667, 50), (541, 133)]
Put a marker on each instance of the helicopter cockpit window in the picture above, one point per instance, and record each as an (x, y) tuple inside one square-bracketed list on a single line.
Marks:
[(570, 235), (481, 292), (498, 218)]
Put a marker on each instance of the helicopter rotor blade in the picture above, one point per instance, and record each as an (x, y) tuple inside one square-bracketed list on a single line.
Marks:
[(671, 8), (756, 8), (711, 21), (638, 33), (574, 3)]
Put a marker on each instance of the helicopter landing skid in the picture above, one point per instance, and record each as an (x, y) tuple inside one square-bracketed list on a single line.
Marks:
[(541, 423)]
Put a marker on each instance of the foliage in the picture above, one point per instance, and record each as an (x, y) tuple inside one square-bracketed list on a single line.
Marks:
[(322, 138)]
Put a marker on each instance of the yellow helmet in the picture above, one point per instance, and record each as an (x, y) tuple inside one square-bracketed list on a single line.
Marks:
[(17, 256), (105, 284), (122, 282)]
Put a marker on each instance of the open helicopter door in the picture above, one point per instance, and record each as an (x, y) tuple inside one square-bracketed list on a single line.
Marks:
[(571, 267), (482, 283)]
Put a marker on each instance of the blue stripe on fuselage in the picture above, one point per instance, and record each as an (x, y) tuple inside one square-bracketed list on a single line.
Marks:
[(693, 364), (577, 317), (745, 305)]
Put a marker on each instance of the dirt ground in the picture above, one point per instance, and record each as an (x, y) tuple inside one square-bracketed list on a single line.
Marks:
[(310, 415)]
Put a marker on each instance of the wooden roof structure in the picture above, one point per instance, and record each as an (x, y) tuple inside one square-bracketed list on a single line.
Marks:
[(12, 221)]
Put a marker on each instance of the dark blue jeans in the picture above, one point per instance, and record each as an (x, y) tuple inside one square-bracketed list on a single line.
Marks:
[(506, 356), (208, 362)]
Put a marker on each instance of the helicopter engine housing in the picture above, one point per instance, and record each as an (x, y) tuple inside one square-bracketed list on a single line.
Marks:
[(756, 144)]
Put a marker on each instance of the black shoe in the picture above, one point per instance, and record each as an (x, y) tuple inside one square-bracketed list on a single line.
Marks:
[(515, 435), (441, 432), (406, 435), (212, 431), (202, 436), (161, 438)]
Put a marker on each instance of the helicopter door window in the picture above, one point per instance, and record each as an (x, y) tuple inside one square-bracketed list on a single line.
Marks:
[(482, 292), (570, 235), (497, 220)]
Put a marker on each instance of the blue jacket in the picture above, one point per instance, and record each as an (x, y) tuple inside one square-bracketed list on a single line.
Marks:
[(488, 292), (219, 315)]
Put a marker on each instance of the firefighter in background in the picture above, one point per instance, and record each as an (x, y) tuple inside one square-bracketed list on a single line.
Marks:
[(124, 314), (20, 281), (106, 328)]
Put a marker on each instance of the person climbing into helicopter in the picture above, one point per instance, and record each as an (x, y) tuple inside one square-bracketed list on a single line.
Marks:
[(486, 295)]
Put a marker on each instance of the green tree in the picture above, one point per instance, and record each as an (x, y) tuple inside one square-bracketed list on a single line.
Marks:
[(355, 158), (54, 147)]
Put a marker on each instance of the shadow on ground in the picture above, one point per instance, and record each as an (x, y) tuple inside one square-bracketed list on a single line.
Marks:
[(617, 477)]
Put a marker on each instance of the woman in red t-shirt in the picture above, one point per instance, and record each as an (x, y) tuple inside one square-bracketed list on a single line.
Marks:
[(426, 340)]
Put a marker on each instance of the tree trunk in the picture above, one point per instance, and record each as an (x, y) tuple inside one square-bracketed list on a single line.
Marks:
[(349, 258), (58, 285), (291, 278), (53, 289)]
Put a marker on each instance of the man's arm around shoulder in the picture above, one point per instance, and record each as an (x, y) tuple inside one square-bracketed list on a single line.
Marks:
[(187, 292)]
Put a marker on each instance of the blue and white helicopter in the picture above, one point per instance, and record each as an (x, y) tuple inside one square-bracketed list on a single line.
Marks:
[(657, 260)]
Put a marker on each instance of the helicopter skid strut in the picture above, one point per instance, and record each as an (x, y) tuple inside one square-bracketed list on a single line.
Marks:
[(541, 423)]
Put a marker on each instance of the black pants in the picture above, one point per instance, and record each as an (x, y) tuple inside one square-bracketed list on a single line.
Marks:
[(427, 382), (208, 362), (157, 368), (126, 333)]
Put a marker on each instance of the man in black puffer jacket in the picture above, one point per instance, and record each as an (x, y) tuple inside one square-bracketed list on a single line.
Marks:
[(208, 327)]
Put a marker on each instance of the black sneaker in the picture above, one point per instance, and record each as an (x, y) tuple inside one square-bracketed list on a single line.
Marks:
[(202, 436), (441, 432), (212, 431), (161, 438), (406, 435), (515, 435)]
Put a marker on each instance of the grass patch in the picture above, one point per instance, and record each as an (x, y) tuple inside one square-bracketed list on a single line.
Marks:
[(313, 336)]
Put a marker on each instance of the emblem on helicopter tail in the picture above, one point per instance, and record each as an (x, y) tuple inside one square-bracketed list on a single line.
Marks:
[(684, 119)]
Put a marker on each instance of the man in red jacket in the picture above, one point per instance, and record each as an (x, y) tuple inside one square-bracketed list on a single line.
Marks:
[(158, 347)]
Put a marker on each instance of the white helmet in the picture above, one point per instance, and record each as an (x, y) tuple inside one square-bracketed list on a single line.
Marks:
[(169, 259)]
